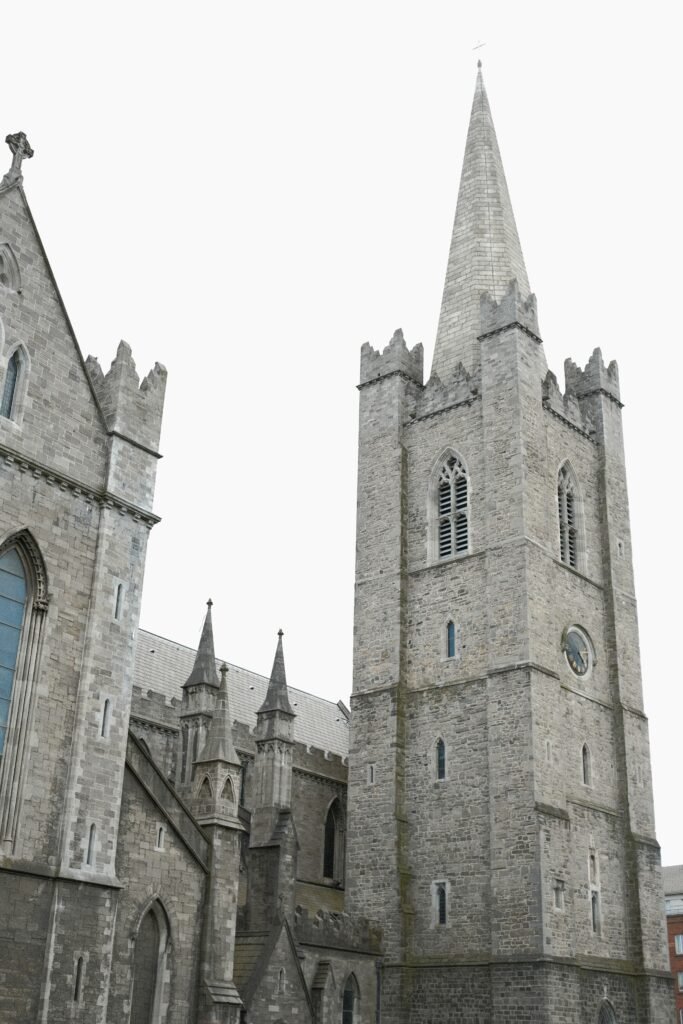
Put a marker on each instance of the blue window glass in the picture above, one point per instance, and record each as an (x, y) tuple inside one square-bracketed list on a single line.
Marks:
[(12, 605), (450, 640)]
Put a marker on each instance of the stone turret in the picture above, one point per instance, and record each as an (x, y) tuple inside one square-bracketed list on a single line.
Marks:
[(274, 753), (199, 702), (214, 800)]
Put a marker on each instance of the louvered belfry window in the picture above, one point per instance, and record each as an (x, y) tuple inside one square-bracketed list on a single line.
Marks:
[(453, 509), (566, 504)]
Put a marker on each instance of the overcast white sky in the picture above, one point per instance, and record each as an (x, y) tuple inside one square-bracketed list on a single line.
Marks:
[(248, 192)]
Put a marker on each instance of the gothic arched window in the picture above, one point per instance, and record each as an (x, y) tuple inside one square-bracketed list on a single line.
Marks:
[(440, 760), (452, 509), (350, 1000), (12, 608), (450, 640), (9, 269), (149, 962), (333, 843), (568, 508), (23, 604), (9, 391), (607, 1014), (586, 765)]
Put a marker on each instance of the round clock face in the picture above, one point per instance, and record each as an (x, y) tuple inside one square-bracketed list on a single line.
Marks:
[(577, 651)]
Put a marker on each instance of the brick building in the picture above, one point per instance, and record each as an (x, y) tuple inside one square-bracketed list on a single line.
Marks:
[(673, 902), (186, 841)]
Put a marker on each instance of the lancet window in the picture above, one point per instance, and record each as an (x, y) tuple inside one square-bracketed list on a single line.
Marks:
[(9, 391)]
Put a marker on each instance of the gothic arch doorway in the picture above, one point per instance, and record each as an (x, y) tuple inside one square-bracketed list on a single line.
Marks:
[(149, 967)]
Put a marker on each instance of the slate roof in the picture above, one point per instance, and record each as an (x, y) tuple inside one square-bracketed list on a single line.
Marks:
[(672, 878), (163, 666)]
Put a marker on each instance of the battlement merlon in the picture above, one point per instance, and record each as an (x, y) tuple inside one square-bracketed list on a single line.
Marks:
[(131, 409), (512, 309), (395, 358), (594, 378)]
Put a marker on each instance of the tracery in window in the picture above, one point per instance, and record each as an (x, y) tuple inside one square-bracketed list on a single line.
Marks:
[(452, 511), (568, 515)]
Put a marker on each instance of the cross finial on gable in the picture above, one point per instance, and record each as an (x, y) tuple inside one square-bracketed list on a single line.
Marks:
[(21, 149)]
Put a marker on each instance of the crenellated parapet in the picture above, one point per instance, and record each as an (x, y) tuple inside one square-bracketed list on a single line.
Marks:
[(594, 378), (395, 358), (567, 407), (514, 309), (130, 408), (338, 931), (458, 389)]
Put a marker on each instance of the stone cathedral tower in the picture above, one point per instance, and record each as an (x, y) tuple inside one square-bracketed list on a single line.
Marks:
[(500, 805)]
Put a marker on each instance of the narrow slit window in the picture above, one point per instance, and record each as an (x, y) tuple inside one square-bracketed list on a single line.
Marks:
[(440, 903), (10, 389), (90, 858), (453, 509), (595, 911), (106, 715), (118, 604), (450, 640), (161, 836), (78, 981), (586, 765), (440, 760)]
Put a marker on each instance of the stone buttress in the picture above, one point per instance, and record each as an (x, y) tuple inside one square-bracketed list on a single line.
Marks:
[(215, 799)]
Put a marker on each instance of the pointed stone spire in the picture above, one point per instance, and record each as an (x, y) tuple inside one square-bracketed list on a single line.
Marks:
[(277, 697), (204, 670), (485, 253), (219, 743)]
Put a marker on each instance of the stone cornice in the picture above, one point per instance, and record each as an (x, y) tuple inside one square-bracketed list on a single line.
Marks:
[(601, 391), (509, 327), (385, 376), (581, 963), (26, 464), (136, 444), (569, 423)]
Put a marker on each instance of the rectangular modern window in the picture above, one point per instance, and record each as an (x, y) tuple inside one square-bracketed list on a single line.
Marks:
[(680, 981), (678, 944)]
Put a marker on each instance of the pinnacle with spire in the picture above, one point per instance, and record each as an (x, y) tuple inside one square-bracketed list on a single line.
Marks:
[(485, 254), (219, 743), (204, 669), (277, 697)]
